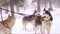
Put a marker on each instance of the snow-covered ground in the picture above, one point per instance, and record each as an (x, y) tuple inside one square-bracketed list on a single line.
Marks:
[(18, 28), (55, 29)]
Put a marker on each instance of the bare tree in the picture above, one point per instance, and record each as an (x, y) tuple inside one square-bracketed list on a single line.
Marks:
[(1, 2), (50, 7), (15, 2), (17, 8), (38, 5), (58, 1), (11, 3), (0, 11), (6, 7)]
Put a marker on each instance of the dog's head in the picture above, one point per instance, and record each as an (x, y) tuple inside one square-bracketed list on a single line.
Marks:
[(36, 12), (47, 15)]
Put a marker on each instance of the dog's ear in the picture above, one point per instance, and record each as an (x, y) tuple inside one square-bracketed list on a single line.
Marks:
[(35, 10), (8, 15), (44, 9)]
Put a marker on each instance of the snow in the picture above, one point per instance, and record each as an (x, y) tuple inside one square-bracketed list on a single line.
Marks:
[(18, 27), (55, 28)]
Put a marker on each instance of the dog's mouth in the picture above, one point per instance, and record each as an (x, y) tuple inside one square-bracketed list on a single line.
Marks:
[(44, 16)]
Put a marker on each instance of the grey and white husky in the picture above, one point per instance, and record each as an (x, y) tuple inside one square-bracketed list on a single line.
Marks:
[(46, 21), (38, 21), (34, 19)]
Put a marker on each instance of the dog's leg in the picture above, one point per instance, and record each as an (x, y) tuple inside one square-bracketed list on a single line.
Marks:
[(8, 31), (43, 30), (34, 30), (24, 26), (48, 29)]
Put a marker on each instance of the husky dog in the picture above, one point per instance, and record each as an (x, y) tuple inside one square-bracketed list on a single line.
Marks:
[(38, 23), (46, 21), (6, 25), (35, 19), (29, 19)]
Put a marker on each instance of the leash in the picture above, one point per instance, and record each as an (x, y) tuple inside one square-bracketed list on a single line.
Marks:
[(13, 12)]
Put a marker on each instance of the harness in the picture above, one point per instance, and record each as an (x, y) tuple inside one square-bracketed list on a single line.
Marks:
[(5, 25), (1, 22)]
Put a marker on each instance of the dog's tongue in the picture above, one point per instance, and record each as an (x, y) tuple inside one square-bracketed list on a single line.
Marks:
[(44, 16)]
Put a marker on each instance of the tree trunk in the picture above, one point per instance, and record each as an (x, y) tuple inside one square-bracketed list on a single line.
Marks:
[(38, 5), (50, 7), (49, 3), (0, 11), (6, 7), (12, 10), (45, 3), (17, 8), (1, 15), (58, 3)]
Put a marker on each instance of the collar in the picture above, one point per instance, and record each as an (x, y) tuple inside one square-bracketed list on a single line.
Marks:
[(5, 25)]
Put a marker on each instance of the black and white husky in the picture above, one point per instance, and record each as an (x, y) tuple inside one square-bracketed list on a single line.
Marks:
[(38, 21), (46, 21)]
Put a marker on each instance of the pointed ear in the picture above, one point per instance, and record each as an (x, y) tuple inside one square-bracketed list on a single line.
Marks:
[(8, 15), (35, 10), (44, 9)]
